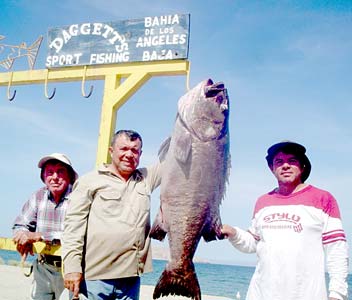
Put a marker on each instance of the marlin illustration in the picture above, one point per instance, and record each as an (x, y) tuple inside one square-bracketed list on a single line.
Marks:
[(17, 51)]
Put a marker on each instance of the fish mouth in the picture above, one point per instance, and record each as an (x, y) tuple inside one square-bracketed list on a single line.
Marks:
[(211, 89), (218, 92)]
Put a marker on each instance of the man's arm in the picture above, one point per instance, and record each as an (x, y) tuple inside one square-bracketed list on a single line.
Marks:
[(336, 250), (154, 174), (337, 267), (242, 240), (25, 225)]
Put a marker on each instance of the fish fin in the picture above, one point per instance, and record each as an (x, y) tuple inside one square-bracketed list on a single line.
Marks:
[(164, 148), (158, 232), (182, 281), (209, 236), (213, 235), (183, 146)]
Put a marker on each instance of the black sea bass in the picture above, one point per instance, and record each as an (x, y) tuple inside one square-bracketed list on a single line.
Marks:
[(196, 168)]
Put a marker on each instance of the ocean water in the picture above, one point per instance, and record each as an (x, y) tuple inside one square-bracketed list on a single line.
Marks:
[(214, 279)]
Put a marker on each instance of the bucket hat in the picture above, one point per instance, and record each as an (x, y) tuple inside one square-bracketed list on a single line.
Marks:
[(61, 158), (296, 149)]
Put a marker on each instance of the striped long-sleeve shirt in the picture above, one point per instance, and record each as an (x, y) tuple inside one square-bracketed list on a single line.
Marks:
[(293, 236), (41, 214)]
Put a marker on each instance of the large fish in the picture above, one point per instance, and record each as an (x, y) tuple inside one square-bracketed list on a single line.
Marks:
[(196, 166)]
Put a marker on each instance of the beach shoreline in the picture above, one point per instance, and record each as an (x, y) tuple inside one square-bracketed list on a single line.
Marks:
[(14, 285)]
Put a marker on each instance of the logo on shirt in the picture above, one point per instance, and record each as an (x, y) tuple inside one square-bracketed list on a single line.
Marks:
[(282, 221)]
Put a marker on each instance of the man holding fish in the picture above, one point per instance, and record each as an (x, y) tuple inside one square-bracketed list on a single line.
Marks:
[(105, 245), (295, 228), (106, 237)]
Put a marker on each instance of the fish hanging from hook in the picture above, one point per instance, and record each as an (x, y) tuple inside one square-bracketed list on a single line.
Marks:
[(14, 52)]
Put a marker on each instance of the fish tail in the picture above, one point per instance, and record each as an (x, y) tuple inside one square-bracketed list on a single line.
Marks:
[(178, 282)]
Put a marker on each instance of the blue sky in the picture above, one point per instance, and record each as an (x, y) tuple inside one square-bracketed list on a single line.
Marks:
[(287, 66)]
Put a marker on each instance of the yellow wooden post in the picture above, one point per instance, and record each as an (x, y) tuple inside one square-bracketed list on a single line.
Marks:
[(107, 119), (115, 95)]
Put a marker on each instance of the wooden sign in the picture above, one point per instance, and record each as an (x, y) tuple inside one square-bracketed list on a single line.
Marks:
[(148, 39)]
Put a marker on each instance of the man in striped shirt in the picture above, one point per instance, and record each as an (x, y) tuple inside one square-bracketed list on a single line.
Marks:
[(42, 219), (295, 229)]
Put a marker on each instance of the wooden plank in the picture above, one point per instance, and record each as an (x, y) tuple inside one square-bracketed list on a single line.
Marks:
[(162, 68), (39, 247)]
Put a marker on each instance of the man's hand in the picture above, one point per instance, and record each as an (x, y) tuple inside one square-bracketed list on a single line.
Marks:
[(72, 282), (25, 237), (24, 242), (228, 231)]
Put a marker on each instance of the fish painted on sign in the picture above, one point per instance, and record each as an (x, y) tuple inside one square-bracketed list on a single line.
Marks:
[(14, 52), (196, 161)]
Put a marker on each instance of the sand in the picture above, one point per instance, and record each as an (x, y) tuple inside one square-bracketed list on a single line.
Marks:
[(15, 286)]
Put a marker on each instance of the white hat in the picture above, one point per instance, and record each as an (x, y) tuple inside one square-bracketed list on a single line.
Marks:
[(61, 158)]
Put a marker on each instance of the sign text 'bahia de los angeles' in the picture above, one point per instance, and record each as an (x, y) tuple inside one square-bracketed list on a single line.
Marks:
[(148, 39)]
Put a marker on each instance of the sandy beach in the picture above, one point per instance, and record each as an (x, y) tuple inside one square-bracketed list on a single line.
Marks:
[(15, 286)]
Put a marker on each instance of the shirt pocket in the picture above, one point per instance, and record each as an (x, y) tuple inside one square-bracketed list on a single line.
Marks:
[(143, 196), (110, 204)]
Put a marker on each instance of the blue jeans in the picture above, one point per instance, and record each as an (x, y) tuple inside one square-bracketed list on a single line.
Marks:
[(114, 289)]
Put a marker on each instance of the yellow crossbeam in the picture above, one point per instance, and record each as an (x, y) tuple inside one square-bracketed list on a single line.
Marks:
[(68, 74), (39, 247)]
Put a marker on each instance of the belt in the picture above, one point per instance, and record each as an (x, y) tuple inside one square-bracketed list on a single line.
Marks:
[(52, 260)]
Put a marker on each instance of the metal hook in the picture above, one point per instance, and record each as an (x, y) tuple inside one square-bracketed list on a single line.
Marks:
[(82, 85), (8, 89), (46, 87)]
